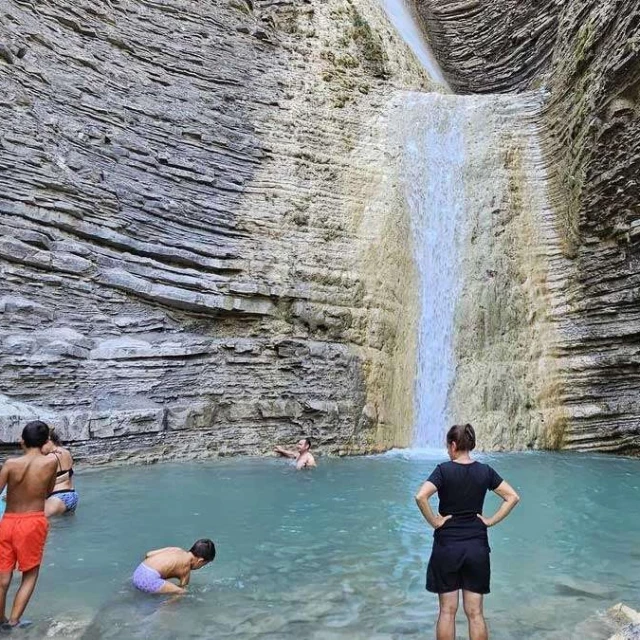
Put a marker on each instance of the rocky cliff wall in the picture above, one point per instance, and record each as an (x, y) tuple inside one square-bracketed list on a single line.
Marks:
[(192, 258), (507, 379), (585, 56)]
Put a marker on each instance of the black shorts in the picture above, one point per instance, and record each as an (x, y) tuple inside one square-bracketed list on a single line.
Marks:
[(459, 565)]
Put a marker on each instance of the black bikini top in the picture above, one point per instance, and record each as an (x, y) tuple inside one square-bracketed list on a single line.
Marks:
[(62, 471)]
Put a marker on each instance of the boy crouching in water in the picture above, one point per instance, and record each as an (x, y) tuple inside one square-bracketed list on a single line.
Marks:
[(23, 529), (154, 572)]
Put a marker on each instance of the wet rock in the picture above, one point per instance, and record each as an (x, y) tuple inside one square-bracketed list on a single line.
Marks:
[(627, 620), (623, 614)]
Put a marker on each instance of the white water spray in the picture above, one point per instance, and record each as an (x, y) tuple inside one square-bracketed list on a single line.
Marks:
[(434, 157), (434, 162), (404, 21)]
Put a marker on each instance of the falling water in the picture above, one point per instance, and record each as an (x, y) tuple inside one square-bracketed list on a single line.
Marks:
[(434, 159), (403, 20), (453, 173)]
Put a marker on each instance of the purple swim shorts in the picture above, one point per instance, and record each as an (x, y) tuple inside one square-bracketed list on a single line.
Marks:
[(147, 579)]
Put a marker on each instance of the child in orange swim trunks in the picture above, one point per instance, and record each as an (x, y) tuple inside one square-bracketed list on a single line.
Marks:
[(24, 527)]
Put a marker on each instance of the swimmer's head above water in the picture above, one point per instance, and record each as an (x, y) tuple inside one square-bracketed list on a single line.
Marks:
[(302, 455)]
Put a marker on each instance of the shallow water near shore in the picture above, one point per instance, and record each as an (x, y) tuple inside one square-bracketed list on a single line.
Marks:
[(339, 552)]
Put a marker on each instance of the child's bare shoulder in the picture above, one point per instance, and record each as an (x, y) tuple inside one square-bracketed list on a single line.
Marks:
[(12, 463)]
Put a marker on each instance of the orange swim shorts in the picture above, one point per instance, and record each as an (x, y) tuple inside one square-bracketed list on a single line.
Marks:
[(22, 538)]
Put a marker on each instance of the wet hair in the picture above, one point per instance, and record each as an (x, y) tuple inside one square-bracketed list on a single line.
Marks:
[(54, 437), (463, 435), (204, 548), (35, 434), (308, 442)]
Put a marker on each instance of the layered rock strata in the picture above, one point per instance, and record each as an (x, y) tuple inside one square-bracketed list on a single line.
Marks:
[(585, 56), (191, 259)]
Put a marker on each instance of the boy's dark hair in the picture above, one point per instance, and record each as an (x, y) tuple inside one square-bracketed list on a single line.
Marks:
[(308, 441), (204, 548), (35, 434), (463, 435), (54, 437)]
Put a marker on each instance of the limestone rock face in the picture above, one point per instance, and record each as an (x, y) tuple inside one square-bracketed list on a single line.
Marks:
[(188, 260), (583, 54)]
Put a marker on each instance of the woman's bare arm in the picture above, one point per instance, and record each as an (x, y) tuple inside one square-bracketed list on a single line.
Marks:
[(509, 500), (422, 499)]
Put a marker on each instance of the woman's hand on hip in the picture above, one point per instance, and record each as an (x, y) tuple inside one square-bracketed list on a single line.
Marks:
[(486, 521), (440, 520)]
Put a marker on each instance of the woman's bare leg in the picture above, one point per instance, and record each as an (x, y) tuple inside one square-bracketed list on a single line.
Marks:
[(472, 603), (54, 507), (446, 627)]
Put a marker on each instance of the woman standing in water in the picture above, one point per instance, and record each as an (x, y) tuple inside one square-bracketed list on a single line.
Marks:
[(64, 497), (460, 555)]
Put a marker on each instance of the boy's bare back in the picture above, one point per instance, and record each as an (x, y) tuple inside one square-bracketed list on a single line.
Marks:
[(170, 562), (29, 481)]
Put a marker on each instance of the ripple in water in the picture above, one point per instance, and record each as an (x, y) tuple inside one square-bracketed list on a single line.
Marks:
[(339, 553)]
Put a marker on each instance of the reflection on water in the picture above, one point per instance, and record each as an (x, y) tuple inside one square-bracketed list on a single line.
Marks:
[(339, 553)]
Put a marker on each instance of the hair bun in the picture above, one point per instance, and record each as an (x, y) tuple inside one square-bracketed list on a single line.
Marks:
[(463, 435)]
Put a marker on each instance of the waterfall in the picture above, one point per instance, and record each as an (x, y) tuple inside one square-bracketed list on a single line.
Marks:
[(433, 163), (454, 177), (404, 21), (434, 160)]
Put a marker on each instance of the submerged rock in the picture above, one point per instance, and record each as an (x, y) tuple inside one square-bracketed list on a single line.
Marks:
[(67, 628), (568, 585)]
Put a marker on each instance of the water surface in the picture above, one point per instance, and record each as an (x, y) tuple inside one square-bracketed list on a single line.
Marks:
[(339, 553)]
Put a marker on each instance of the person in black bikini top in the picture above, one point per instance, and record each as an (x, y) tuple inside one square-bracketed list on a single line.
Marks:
[(64, 497)]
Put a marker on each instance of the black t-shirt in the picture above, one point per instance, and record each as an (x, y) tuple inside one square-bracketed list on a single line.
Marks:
[(461, 491)]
